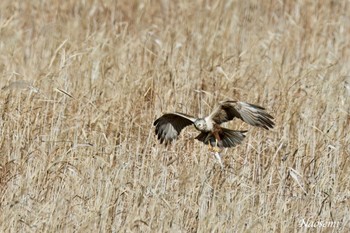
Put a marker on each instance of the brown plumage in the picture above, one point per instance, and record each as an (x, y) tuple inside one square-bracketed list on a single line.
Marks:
[(169, 126)]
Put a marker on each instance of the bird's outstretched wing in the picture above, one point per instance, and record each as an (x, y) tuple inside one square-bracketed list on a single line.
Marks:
[(249, 113), (169, 126)]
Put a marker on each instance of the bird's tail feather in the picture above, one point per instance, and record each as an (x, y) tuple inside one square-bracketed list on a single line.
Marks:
[(228, 138)]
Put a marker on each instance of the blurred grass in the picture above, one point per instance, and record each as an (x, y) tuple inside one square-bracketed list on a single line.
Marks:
[(83, 81)]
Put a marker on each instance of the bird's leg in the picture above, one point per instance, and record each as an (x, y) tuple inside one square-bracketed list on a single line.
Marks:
[(217, 147), (210, 147)]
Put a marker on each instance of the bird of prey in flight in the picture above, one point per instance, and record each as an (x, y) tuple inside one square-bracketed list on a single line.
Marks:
[(169, 126)]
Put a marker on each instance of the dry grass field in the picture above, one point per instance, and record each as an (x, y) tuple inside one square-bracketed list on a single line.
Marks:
[(82, 82)]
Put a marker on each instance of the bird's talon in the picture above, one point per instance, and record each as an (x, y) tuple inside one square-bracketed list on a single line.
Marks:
[(217, 149), (210, 148)]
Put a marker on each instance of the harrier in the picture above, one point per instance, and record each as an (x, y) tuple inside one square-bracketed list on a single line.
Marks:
[(169, 126)]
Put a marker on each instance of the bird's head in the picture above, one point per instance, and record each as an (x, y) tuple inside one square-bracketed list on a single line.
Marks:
[(200, 124)]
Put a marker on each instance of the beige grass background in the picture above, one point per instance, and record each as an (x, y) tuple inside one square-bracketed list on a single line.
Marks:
[(83, 81)]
